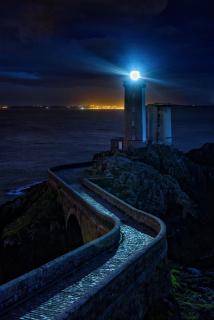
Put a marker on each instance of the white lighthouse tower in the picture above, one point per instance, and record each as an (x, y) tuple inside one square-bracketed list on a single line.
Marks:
[(135, 111)]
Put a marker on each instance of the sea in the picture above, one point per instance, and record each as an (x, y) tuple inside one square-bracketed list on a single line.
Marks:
[(35, 139)]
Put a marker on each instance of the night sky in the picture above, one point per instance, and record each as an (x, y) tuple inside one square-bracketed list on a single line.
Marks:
[(63, 52)]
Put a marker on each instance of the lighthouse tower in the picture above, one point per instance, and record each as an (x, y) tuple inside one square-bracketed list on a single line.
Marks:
[(143, 124), (135, 111)]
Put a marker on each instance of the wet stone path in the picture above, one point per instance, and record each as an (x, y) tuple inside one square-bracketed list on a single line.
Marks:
[(63, 296)]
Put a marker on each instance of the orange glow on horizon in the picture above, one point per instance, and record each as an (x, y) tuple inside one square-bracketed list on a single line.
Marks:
[(103, 107)]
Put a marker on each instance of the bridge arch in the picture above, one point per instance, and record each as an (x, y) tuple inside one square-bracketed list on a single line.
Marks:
[(74, 233)]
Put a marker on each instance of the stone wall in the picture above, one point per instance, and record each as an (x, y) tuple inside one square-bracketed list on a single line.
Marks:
[(92, 225), (141, 217), (128, 295), (127, 292), (142, 280), (104, 232)]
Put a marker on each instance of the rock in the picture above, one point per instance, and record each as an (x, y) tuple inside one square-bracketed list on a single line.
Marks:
[(194, 271), (192, 178), (32, 232), (144, 187), (165, 309), (203, 156), (191, 296), (164, 181)]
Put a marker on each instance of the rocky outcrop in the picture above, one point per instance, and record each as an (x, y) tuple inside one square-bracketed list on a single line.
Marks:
[(166, 182), (204, 155), (32, 232), (191, 296)]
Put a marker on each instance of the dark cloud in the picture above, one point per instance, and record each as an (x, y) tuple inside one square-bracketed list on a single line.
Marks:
[(92, 43), (29, 18)]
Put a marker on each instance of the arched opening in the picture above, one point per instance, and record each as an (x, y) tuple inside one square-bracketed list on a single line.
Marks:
[(74, 234)]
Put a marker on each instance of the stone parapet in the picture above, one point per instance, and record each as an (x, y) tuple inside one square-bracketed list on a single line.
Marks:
[(120, 279), (28, 284)]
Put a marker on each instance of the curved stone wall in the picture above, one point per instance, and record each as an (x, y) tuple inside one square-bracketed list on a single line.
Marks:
[(121, 278), (100, 238), (141, 217), (135, 284), (93, 223)]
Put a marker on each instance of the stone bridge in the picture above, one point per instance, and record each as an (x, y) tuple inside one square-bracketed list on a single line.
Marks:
[(115, 272)]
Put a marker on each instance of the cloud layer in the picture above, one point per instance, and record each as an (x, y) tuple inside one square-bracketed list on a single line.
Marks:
[(93, 43)]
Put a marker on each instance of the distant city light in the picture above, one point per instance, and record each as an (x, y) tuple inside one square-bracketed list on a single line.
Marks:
[(135, 75), (103, 107), (3, 107)]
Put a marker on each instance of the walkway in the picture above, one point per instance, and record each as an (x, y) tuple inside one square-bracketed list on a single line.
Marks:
[(61, 298)]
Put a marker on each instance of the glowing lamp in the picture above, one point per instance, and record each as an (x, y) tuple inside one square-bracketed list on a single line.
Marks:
[(135, 75)]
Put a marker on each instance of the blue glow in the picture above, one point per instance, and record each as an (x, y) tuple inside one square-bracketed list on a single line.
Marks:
[(19, 75), (135, 75)]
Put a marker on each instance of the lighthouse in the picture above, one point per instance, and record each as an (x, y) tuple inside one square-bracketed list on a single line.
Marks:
[(135, 111), (143, 124)]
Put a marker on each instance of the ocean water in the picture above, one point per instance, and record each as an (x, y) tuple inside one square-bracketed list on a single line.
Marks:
[(33, 140)]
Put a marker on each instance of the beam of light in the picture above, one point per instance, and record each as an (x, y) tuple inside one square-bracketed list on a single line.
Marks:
[(79, 56), (135, 75), (76, 56), (175, 84), (162, 82), (87, 60), (19, 75)]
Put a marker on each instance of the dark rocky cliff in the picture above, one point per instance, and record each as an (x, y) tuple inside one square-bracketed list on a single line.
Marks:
[(171, 185), (32, 232), (175, 186), (178, 188)]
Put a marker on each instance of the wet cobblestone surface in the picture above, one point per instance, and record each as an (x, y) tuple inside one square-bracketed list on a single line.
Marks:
[(67, 292)]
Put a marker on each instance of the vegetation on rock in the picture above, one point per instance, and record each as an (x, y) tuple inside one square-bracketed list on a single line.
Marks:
[(191, 297)]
